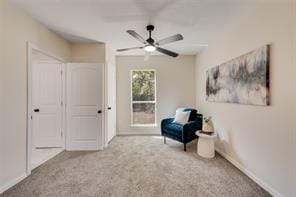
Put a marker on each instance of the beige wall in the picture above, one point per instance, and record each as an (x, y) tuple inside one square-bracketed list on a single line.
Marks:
[(258, 139), (92, 52), (175, 87), (1, 97), (294, 63), (17, 29)]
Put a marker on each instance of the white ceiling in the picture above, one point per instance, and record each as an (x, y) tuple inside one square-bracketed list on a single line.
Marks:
[(199, 21)]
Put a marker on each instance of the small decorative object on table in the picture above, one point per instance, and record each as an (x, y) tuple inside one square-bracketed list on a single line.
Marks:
[(207, 126)]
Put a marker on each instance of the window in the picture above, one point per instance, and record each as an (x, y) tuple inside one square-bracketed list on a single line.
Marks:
[(143, 101)]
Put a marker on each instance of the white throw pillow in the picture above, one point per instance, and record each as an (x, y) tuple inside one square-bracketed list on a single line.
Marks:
[(181, 117), (180, 109)]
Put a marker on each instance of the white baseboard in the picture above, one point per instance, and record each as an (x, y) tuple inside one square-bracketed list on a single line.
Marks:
[(83, 149), (138, 133), (13, 182), (250, 174)]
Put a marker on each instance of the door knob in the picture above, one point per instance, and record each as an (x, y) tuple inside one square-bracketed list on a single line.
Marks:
[(36, 110), (99, 111), (109, 108)]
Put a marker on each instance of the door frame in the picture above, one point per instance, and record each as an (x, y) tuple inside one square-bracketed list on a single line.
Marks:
[(106, 100), (29, 134)]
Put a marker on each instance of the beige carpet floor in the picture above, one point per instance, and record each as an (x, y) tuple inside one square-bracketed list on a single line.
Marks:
[(137, 166)]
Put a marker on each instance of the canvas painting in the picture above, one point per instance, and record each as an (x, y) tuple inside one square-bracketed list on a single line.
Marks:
[(244, 80)]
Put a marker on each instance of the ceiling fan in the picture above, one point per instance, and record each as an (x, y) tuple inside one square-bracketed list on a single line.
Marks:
[(151, 45)]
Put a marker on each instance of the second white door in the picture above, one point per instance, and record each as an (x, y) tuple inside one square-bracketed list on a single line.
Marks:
[(47, 104), (84, 106)]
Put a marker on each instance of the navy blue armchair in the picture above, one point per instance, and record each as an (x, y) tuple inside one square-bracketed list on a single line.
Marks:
[(182, 133)]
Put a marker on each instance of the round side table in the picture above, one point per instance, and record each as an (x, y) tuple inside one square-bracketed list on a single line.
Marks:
[(206, 144)]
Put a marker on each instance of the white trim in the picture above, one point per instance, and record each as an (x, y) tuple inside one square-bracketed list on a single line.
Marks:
[(144, 102), (110, 140), (64, 100), (138, 134), (30, 48), (250, 174), (104, 106), (153, 133), (106, 101), (132, 102), (144, 125), (84, 149), (29, 108), (13, 182)]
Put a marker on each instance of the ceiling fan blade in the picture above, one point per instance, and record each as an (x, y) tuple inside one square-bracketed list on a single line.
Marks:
[(167, 52), (137, 36), (127, 49), (170, 39)]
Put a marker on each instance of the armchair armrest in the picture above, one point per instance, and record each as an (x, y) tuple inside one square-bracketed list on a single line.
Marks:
[(190, 128), (199, 116), (165, 122)]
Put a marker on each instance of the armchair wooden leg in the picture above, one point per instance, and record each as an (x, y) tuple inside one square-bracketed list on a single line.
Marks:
[(164, 140), (185, 147)]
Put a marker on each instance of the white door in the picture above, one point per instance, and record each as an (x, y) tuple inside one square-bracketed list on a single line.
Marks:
[(47, 104), (84, 106), (111, 102)]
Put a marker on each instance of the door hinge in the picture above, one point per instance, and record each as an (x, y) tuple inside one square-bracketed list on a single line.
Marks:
[(61, 72), (61, 103), (61, 133)]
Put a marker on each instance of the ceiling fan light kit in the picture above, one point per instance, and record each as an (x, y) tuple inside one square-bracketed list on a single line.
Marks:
[(149, 48), (150, 45)]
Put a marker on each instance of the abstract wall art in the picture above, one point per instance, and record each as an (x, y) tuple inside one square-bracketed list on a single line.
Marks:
[(243, 80)]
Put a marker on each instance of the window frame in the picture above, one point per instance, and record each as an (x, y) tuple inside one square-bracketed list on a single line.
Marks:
[(132, 102)]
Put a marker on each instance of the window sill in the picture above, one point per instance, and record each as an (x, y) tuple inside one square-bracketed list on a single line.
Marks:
[(144, 125)]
